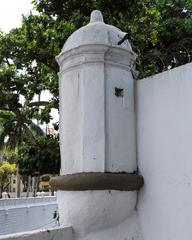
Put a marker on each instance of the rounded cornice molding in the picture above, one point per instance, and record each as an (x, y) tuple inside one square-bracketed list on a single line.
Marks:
[(97, 181)]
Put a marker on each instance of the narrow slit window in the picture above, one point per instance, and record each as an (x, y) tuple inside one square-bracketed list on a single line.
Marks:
[(119, 92)]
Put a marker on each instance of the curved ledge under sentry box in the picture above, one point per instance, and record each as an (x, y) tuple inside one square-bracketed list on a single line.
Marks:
[(97, 181)]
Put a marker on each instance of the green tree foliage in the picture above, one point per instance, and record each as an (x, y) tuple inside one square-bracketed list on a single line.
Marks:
[(36, 158), (160, 30), (37, 161), (23, 74), (10, 133), (6, 171)]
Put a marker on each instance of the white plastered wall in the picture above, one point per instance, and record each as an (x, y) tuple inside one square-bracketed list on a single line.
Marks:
[(97, 134), (58, 233), (26, 214), (120, 120), (97, 128), (164, 135)]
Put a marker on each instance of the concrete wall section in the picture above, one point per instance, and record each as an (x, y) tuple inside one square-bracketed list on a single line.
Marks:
[(120, 120), (48, 234), (93, 128), (71, 117), (90, 212), (127, 230), (164, 108), (97, 112), (25, 214)]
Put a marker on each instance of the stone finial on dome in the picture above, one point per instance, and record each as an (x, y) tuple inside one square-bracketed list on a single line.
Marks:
[(96, 16)]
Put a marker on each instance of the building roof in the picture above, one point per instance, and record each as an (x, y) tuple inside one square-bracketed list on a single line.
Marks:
[(96, 32)]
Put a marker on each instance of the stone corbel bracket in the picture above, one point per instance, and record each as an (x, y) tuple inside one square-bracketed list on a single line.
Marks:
[(97, 181)]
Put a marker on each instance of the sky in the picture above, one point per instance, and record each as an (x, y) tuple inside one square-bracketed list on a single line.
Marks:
[(11, 13), (10, 17)]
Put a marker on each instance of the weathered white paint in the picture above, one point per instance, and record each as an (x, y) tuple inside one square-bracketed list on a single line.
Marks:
[(164, 112), (94, 211), (24, 214), (97, 128), (120, 120), (96, 32), (127, 230), (64, 233)]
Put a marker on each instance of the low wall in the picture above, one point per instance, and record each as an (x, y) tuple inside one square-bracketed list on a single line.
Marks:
[(49, 234), (24, 194), (25, 214), (164, 127)]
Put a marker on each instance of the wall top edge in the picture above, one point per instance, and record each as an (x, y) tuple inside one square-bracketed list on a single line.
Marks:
[(38, 233), (164, 73)]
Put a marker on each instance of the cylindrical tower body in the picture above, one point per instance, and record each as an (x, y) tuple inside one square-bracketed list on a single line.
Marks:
[(97, 118), (97, 128)]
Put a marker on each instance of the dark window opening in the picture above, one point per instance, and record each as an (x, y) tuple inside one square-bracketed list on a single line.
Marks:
[(119, 92)]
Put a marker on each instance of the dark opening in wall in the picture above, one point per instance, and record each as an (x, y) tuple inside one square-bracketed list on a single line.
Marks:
[(118, 92)]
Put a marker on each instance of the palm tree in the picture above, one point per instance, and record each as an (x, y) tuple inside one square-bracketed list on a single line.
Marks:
[(13, 134)]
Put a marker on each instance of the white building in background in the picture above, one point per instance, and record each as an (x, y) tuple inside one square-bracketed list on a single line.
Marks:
[(14, 184)]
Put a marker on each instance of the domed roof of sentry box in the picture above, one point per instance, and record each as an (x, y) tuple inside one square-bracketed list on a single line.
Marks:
[(96, 32)]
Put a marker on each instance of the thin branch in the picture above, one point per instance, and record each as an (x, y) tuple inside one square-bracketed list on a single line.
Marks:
[(37, 104)]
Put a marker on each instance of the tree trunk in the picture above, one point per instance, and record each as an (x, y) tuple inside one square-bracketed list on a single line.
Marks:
[(18, 190), (28, 185), (34, 186), (37, 183), (1, 187)]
